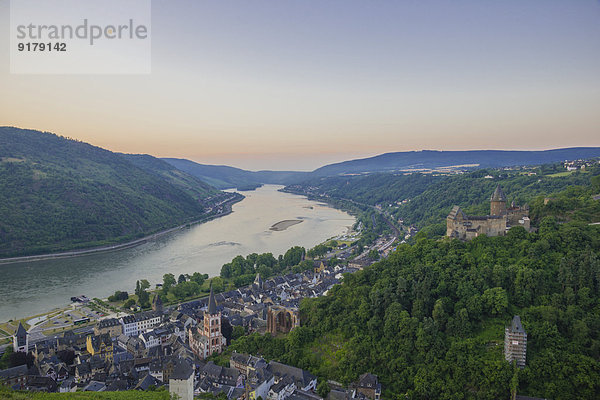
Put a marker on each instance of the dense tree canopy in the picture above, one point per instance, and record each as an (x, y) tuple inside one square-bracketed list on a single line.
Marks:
[(58, 194), (429, 320)]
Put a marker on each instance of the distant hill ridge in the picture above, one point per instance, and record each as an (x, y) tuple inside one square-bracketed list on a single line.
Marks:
[(60, 194), (435, 159), (224, 177)]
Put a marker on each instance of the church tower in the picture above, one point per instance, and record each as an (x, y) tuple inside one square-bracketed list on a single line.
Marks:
[(212, 326), (157, 304), (498, 202), (21, 340)]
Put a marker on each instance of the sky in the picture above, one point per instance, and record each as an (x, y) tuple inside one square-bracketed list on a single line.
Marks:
[(294, 85)]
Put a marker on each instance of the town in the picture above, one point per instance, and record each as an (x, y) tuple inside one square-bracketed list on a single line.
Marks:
[(168, 346)]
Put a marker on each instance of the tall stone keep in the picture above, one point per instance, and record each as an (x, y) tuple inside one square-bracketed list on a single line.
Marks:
[(21, 340), (515, 342), (498, 202), (181, 380)]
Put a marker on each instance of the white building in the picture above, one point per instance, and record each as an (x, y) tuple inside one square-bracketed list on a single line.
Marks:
[(150, 339), (135, 324)]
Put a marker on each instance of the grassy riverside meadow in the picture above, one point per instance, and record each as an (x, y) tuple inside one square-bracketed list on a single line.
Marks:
[(58, 194)]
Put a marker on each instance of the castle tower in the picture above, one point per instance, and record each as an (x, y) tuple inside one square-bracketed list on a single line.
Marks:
[(21, 340), (515, 342), (212, 326), (498, 202)]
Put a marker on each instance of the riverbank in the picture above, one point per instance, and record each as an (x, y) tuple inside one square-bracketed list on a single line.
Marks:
[(226, 210)]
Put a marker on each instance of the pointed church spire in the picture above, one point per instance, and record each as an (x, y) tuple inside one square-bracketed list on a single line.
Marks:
[(212, 306), (21, 330)]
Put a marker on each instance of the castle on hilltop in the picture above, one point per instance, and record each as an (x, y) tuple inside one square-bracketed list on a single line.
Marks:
[(501, 219)]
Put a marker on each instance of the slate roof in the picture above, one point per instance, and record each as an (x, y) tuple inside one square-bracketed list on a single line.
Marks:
[(109, 322), (143, 316), (456, 211), (21, 331), (301, 377), (117, 385), (83, 369), (368, 381), (182, 371), (516, 326), (95, 386), (13, 372), (212, 306), (498, 195), (147, 381)]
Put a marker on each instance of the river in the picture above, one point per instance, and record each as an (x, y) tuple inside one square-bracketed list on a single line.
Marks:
[(30, 288)]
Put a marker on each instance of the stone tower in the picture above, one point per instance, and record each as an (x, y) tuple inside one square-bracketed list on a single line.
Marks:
[(181, 380), (515, 343), (157, 304), (498, 202), (212, 326), (21, 340)]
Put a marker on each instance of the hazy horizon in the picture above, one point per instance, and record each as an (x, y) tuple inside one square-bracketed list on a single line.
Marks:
[(295, 86)]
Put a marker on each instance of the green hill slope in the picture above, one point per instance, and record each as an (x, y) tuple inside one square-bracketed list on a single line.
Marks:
[(58, 194), (188, 183)]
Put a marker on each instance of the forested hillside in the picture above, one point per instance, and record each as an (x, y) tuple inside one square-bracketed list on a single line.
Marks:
[(429, 320), (370, 189), (58, 194), (425, 199), (188, 183)]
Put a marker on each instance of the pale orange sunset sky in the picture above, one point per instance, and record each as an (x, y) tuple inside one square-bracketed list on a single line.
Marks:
[(295, 85)]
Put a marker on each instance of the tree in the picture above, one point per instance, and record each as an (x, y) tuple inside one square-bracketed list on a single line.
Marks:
[(495, 300), (323, 388), (144, 299), (118, 296), (168, 282), (238, 332), (293, 256), (144, 284), (128, 303), (198, 278), (181, 279), (217, 284), (185, 289), (374, 255)]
